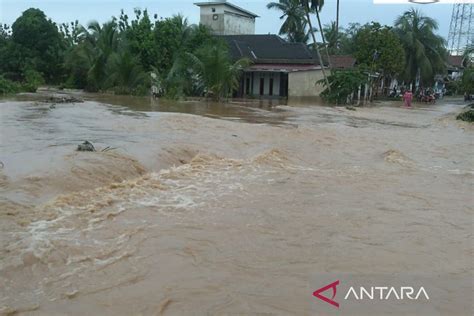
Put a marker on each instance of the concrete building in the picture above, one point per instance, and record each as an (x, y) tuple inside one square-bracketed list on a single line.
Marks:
[(279, 69), (225, 18)]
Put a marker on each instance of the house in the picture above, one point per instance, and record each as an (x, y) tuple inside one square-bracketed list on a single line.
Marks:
[(342, 61), (279, 68), (225, 18), (455, 67)]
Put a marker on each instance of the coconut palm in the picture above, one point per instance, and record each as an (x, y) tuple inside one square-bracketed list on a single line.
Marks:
[(124, 72), (219, 75), (294, 26), (100, 43), (312, 6), (333, 37), (424, 50), (316, 7)]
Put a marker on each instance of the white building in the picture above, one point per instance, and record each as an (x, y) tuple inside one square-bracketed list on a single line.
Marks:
[(225, 18)]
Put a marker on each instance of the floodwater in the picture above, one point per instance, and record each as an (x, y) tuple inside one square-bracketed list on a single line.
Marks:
[(230, 211)]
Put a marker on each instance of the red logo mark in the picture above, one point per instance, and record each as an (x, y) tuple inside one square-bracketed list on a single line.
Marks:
[(331, 301)]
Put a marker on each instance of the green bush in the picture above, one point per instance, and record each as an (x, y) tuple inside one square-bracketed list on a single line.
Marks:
[(8, 86), (33, 79), (467, 116)]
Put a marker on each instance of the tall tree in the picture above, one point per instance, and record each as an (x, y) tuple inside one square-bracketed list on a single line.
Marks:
[(425, 51), (379, 49), (309, 6), (41, 43), (316, 7), (295, 24)]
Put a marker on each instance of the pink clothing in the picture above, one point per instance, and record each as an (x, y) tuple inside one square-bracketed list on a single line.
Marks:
[(407, 97)]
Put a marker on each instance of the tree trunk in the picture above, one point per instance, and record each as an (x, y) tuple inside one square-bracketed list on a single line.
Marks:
[(317, 49), (322, 37)]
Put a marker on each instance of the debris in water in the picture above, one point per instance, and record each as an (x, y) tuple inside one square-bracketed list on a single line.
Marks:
[(52, 106), (351, 108), (467, 116), (86, 146), (62, 99)]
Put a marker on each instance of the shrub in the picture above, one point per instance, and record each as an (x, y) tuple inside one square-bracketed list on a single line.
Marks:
[(8, 86)]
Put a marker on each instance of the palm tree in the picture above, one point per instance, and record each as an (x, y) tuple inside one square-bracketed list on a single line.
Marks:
[(213, 67), (333, 37), (124, 72), (425, 51), (294, 26), (100, 43), (309, 6), (316, 7)]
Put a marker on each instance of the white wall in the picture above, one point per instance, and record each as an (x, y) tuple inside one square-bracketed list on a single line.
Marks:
[(303, 83), (229, 20), (256, 83)]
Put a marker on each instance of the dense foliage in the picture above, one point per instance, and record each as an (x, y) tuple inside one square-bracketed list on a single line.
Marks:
[(343, 84), (468, 81), (124, 55), (425, 52), (379, 48)]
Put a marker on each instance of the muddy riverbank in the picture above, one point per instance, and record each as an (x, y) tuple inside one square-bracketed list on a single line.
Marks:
[(227, 212)]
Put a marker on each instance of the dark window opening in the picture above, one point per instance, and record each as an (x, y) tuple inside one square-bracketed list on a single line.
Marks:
[(247, 86), (283, 84), (271, 87), (262, 85), (213, 9)]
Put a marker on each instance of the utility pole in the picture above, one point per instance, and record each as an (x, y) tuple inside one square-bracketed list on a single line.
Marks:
[(461, 29)]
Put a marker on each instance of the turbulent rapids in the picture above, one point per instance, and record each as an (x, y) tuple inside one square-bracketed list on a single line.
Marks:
[(198, 215)]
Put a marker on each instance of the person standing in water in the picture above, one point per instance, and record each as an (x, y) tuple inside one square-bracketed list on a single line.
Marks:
[(408, 97)]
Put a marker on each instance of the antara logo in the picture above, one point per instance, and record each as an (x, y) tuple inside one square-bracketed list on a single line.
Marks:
[(371, 293)]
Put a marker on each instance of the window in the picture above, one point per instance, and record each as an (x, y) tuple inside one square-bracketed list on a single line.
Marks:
[(271, 87), (213, 10), (247, 86), (262, 86)]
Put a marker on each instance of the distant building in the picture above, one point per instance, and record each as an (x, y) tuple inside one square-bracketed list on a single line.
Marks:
[(225, 18), (455, 66), (342, 61), (279, 68)]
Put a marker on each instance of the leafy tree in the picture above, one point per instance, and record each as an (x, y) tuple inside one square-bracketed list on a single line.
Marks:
[(139, 35), (41, 44), (295, 24), (380, 49), (425, 52), (343, 83)]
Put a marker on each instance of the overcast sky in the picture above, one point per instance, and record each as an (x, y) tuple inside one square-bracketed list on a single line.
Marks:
[(361, 11)]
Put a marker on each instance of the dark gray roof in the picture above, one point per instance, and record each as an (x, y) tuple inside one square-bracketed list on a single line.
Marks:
[(268, 49)]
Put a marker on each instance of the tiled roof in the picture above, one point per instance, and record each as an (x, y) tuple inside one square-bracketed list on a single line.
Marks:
[(342, 61), (455, 61), (268, 49)]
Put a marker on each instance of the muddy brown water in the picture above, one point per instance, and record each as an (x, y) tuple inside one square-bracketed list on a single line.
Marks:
[(223, 209)]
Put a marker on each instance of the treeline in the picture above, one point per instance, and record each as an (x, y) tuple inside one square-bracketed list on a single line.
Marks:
[(125, 55), (409, 50)]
